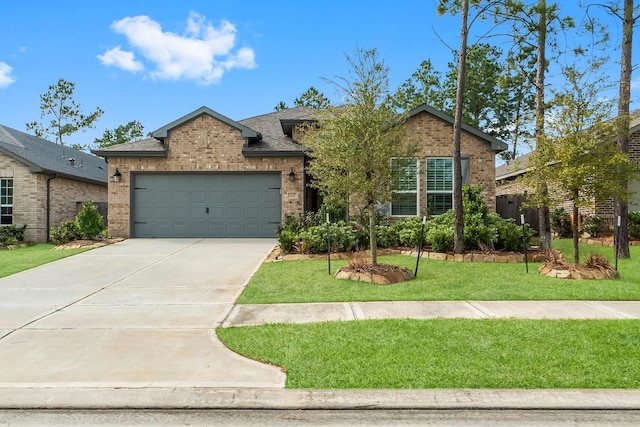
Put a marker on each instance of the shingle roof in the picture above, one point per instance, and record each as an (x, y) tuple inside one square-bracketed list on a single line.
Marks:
[(45, 156), (148, 147), (275, 129)]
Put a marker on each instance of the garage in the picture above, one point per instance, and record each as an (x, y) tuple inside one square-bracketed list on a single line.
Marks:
[(224, 204)]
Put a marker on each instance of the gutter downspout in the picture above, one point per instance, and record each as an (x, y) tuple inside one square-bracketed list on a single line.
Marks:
[(49, 205)]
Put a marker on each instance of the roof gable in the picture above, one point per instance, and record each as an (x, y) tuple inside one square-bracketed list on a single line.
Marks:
[(45, 156), (163, 132), (495, 144)]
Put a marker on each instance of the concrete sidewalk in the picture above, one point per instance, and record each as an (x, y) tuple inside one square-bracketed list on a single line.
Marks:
[(258, 314)]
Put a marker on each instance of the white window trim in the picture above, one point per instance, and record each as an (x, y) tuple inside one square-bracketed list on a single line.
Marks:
[(417, 160), (8, 205), (426, 184)]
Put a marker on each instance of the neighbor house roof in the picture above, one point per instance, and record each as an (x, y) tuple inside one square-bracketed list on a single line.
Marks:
[(495, 144), (520, 165), (47, 157)]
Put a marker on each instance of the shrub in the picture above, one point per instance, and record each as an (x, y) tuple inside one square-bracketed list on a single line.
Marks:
[(287, 239), (634, 225), (66, 232), (314, 240), (387, 236), (560, 222), (477, 232), (12, 234), (510, 234), (90, 223), (440, 237), (592, 224), (408, 231)]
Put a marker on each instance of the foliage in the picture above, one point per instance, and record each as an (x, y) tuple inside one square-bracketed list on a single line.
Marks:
[(87, 225), (634, 225), (90, 222), (64, 114), (440, 233), (312, 98), (132, 131), (592, 224), (67, 231), (560, 222), (11, 234), (351, 145)]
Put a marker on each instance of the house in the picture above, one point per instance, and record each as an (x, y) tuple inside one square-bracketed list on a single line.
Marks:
[(43, 183), (206, 175), (509, 189)]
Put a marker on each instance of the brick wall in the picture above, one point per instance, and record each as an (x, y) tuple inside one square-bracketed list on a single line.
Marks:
[(203, 144), (30, 198), (435, 138)]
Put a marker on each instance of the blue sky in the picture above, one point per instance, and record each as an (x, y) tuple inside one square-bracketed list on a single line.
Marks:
[(155, 61)]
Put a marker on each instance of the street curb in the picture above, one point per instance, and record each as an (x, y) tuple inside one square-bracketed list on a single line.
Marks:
[(280, 399)]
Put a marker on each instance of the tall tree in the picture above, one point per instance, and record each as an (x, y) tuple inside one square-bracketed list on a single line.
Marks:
[(624, 99), (65, 116), (532, 23), (423, 87), (312, 98), (132, 131), (351, 145), (458, 219)]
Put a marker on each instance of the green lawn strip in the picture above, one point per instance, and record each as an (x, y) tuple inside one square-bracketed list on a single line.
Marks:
[(420, 354), (15, 260), (309, 281)]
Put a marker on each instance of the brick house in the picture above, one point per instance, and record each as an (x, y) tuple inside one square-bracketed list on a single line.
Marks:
[(43, 183), (205, 175), (509, 189)]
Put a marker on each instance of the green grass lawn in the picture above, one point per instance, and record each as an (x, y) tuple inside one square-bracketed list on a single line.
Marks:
[(406, 354), (309, 281), (15, 260)]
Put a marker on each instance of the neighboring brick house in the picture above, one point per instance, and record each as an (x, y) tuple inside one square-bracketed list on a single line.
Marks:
[(43, 183), (205, 175), (509, 189)]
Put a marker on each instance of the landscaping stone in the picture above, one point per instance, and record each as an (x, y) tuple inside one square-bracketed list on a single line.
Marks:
[(382, 278)]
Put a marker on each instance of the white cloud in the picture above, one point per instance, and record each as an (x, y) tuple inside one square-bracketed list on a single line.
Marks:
[(5, 75), (119, 58), (204, 53)]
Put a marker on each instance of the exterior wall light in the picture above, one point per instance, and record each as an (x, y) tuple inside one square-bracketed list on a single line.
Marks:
[(292, 176), (117, 176)]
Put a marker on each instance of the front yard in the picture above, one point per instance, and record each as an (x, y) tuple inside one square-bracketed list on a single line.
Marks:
[(438, 353), (309, 281)]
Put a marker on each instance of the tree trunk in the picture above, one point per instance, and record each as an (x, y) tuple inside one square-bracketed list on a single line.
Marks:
[(544, 229), (373, 243), (458, 235), (622, 140), (574, 229)]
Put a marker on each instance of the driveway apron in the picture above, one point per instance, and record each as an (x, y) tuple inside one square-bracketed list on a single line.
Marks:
[(139, 313)]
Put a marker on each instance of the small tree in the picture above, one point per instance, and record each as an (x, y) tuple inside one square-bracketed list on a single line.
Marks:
[(581, 158), (352, 145), (65, 116), (132, 131)]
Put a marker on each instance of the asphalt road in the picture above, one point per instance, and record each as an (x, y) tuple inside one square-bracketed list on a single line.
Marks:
[(285, 418)]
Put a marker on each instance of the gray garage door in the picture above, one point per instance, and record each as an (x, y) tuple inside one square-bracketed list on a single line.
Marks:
[(206, 205)]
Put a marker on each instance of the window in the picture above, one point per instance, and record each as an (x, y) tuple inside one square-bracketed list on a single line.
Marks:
[(404, 188), (6, 201), (439, 185)]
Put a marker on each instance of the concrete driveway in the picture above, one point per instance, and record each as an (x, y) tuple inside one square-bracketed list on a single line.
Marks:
[(139, 313)]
